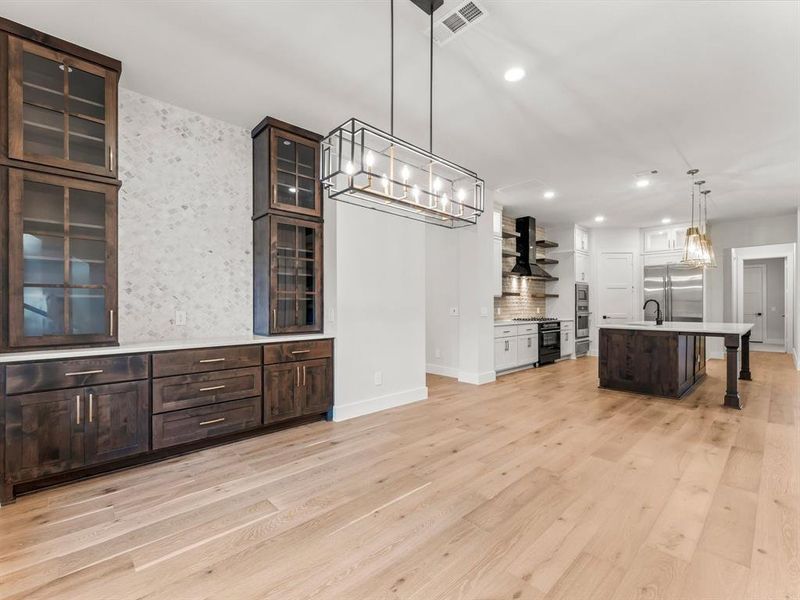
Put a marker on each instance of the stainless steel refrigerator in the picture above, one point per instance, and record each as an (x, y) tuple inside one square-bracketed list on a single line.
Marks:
[(678, 289)]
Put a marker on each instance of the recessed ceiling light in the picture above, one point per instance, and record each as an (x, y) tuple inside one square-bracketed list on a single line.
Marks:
[(549, 195), (599, 219), (642, 182), (666, 220), (514, 74)]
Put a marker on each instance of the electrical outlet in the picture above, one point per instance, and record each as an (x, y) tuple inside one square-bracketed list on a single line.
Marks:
[(378, 378), (437, 353), (453, 311), (180, 317)]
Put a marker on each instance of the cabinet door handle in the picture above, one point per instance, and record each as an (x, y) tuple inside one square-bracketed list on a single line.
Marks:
[(300, 351), (111, 322), (213, 387), (78, 410), (274, 316), (212, 421), (297, 382), (110, 158), (91, 403), (75, 373), (211, 360), (304, 376)]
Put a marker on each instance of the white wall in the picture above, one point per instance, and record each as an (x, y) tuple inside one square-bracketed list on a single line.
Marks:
[(775, 294), (459, 274), (757, 231), (797, 298), (441, 294), (379, 308), (185, 234)]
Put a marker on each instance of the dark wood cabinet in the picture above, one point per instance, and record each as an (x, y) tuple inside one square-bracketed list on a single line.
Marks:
[(317, 386), (45, 434), (286, 170), (117, 421), (287, 278), (301, 388), (62, 110), (281, 400), (193, 424), (287, 229), (58, 192), (62, 260)]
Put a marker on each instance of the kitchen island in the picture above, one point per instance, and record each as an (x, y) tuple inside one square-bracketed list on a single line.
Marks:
[(669, 359)]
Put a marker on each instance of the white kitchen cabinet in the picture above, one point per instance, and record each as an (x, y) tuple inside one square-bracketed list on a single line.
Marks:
[(497, 266), (581, 239), (663, 239), (582, 267), (567, 339), (527, 349), (505, 353)]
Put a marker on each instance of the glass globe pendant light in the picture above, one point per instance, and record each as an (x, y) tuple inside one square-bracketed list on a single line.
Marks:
[(692, 246)]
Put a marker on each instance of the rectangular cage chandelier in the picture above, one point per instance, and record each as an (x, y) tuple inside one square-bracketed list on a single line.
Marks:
[(368, 167)]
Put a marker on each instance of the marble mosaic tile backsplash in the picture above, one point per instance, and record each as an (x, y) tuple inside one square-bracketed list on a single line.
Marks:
[(185, 234)]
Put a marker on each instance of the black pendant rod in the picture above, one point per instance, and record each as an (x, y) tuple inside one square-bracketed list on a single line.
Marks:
[(391, 69), (430, 108)]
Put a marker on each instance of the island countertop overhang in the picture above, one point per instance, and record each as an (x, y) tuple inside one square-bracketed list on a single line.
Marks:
[(685, 327)]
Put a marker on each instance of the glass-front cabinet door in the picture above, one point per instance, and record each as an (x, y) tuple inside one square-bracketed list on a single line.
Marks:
[(296, 275), (62, 260), (62, 110), (294, 171)]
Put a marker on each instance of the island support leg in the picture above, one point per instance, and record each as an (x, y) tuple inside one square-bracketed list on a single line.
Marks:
[(745, 371), (732, 393)]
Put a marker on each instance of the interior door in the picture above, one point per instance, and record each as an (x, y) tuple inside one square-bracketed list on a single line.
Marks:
[(616, 287), (117, 421), (754, 291)]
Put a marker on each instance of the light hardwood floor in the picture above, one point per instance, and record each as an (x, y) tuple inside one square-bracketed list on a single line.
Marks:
[(539, 486)]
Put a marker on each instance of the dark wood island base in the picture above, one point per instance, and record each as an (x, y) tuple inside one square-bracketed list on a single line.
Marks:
[(669, 362)]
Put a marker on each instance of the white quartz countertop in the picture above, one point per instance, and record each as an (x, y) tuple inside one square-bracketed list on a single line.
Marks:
[(159, 346), (510, 322), (684, 327)]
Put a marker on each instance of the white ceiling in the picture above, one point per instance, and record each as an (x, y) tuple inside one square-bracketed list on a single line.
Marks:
[(612, 88)]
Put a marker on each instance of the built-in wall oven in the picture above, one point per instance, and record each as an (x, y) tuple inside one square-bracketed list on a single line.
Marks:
[(581, 319), (549, 342)]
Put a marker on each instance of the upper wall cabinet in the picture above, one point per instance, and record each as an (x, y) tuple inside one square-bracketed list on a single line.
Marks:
[(62, 268), (62, 110), (286, 170)]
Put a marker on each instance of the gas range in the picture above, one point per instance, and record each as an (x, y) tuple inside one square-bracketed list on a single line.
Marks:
[(536, 319)]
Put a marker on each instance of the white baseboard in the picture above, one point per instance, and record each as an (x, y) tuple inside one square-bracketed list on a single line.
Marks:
[(796, 354), (775, 342), (371, 405), (477, 378), (442, 370)]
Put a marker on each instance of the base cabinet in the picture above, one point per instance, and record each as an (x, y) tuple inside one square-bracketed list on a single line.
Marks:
[(66, 419), (293, 390)]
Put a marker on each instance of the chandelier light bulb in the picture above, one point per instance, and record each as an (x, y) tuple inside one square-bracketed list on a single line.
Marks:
[(461, 195), (405, 173), (385, 183), (349, 168), (415, 193), (370, 159), (437, 184), (444, 201)]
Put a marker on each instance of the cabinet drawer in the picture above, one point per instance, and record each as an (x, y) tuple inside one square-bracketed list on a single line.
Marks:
[(59, 374), (527, 329), (186, 391), (502, 331), (278, 353), (192, 424), (566, 325), (184, 362)]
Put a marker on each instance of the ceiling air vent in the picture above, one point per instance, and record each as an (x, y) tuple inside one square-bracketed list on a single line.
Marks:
[(456, 22)]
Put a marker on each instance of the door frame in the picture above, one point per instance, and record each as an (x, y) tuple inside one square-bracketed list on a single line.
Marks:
[(786, 251), (763, 269), (601, 283)]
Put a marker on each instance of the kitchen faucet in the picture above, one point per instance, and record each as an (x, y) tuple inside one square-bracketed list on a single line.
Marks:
[(659, 317)]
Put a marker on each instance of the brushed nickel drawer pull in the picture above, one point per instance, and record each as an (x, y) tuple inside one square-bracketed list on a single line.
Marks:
[(300, 351), (75, 373), (212, 421), (90, 407), (297, 381), (77, 410), (211, 360), (213, 387)]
